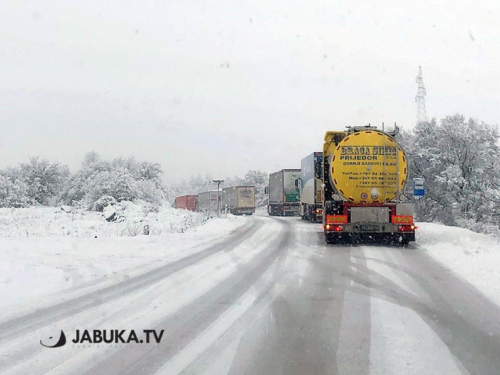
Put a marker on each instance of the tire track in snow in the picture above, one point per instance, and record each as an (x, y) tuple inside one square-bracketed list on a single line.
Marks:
[(193, 319), (18, 326), (301, 333), (141, 310)]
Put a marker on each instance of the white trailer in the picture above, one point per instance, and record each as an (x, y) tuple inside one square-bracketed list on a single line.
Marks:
[(207, 201), (239, 200), (284, 193)]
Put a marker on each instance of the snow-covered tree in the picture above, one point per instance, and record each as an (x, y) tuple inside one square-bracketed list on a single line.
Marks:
[(91, 158), (121, 178), (460, 161), (45, 180), (260, 180), (13, 193)]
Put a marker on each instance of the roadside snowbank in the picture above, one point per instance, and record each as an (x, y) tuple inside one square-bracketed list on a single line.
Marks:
[(36, 269), (473, 256), (56, 222)]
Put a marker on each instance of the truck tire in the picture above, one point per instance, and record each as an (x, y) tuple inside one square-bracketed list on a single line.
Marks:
[(402, 240), (331, 238)]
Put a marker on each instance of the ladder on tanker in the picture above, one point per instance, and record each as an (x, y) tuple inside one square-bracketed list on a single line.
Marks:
[(395, 185)]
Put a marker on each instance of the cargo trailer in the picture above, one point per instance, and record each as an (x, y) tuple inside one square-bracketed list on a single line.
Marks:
[(284, 193), (186, 202), (207, 201), (239, 200)]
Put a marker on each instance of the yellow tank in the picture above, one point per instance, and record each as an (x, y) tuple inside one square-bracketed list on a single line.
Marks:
[(366, 166)]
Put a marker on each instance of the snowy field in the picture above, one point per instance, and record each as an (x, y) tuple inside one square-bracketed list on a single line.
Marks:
[(65, 221), (48, 255), (474, 257)]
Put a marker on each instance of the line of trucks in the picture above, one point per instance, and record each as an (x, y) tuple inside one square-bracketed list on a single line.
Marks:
[(354, 187), (238, 200)]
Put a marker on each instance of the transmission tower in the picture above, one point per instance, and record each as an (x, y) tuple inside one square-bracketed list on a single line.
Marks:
[(420, 97)]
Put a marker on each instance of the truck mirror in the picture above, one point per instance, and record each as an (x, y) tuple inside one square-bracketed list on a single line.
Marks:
[(266, 190), (297, 182)]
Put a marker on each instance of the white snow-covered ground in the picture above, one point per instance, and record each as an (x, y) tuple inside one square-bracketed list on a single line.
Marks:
[(472, 256), (61, 252), (45, 250), (36, 222), (247, 295)]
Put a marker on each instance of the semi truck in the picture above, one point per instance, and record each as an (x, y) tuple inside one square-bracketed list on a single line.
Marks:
[(284, 193), (239, 200), (207, 201), (364, 174), (311, 190), (186, 202)]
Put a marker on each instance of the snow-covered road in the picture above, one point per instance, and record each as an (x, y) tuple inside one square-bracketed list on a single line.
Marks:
[(268, 298)]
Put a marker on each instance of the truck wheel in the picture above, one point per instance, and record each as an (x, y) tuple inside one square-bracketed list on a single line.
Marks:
[(402, 240), (332, 239)]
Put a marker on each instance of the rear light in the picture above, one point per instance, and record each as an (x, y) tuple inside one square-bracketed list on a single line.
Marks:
[(319, 211), (334, 227), (406, 228)]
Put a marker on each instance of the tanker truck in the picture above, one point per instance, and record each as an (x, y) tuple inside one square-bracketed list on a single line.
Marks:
[(364, 175)]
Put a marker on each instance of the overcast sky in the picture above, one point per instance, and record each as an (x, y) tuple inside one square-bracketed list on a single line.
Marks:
[(221, 86)]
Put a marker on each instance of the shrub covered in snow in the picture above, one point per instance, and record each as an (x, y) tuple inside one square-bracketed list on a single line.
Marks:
[(36, 182), (131, 219), (122, 179), (103, 202), (13, 193)]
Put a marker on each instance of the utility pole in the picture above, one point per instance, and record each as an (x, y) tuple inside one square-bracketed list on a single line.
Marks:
[(420, 97), (218, 182)]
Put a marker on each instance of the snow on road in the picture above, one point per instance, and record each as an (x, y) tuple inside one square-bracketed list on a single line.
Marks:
[(250, 295), (402, 343), (140, 309)]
